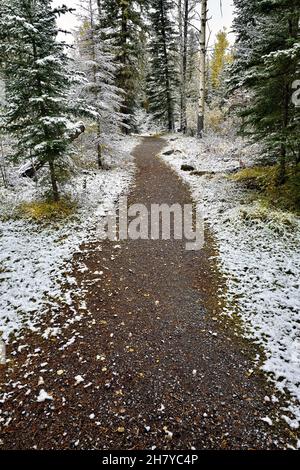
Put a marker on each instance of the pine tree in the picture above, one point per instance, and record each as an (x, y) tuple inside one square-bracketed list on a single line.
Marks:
[(98, 65), (33, 64), (268, 70), (163, 76), (124, 30), (244, 25)]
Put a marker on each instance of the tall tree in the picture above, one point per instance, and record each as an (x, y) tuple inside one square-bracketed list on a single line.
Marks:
[(268, 70), (33, 64), (186, 14), (202, 82), (219, 59), (163, 76), (124, 29), (100, 70)]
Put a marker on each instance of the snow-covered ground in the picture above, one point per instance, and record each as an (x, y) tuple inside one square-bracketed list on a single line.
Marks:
[(34, 257), (259, 254)]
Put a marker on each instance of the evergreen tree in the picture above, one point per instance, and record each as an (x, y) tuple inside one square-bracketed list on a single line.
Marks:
[(33, 64), (267, 58), (124, 30), (244, 25), (163, 76), (98, 65)]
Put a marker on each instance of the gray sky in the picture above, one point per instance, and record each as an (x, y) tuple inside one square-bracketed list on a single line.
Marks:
[(217, 23)]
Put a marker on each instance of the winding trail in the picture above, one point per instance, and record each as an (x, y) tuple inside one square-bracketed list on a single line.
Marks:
[(159, 368)]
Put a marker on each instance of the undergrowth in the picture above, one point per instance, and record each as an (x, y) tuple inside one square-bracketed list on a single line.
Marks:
[(46, 210), (265, 179)]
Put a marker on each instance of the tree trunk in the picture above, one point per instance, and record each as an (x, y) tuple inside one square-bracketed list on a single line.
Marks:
[(201, 104), (96, 92), (167, 73), (99, 9), (285, 120), (3, 166), (180, 25), (29, 169), (184, 60), (124, 61), (99, 147), (53, 181)]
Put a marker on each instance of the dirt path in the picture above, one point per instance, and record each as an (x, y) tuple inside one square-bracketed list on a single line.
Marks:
[(157, 368)]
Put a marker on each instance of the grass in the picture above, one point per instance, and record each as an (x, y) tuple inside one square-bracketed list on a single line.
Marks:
[(264, 179), (276, 219), (46, 210)]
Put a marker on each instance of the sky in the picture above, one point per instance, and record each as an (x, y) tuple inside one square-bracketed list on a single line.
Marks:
[(217, 22)]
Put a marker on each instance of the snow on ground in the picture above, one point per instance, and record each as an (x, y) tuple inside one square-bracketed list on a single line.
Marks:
[(259, 254), (33, 258)]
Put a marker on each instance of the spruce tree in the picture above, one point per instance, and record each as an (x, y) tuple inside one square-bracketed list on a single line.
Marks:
[(163, 77), (268, 52), (97, 63), (123, 29), (33, 64)]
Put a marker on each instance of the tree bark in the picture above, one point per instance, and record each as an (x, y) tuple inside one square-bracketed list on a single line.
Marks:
[(99, 147), (124, 60), (99, 6), (53, 181), (96, 93), (180, 26), (167, 72), (201, 104), (184, 60), (2, 166)]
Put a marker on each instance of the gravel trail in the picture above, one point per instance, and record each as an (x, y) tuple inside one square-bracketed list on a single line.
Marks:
[(152, 364)]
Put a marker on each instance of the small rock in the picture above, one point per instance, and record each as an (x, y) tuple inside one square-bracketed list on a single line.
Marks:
[(187, 167)]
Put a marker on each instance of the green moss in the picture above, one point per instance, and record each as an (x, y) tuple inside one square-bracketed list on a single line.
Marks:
[(261, 176), (264, 180), (46, 210)]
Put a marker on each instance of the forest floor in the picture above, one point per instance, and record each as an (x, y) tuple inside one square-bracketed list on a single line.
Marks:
[(147, 361)]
